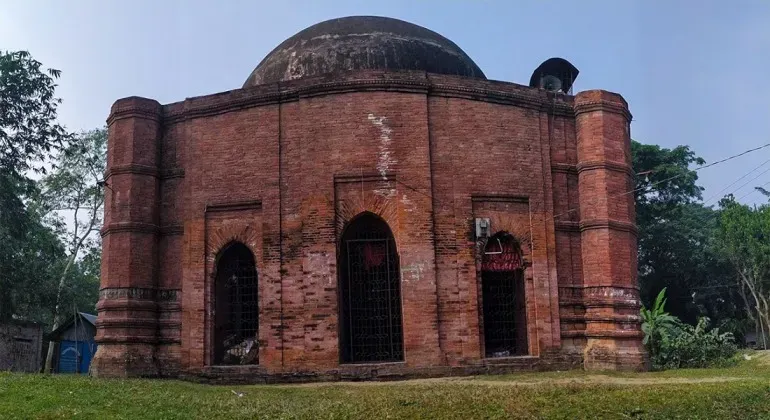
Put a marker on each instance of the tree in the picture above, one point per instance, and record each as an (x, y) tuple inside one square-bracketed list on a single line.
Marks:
[(73, 192), (677, 239), (669, 220), (30, 253), (29, 133), (744, 237), (655, 322)]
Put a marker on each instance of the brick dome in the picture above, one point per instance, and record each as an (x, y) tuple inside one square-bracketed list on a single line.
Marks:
[(362, 43)]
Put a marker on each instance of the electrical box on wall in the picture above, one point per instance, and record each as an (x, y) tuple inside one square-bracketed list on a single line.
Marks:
[(483, 227)]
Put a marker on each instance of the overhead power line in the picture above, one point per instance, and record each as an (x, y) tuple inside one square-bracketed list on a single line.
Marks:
[(753, 190), (673, 177), (735, 182), (748, 182)]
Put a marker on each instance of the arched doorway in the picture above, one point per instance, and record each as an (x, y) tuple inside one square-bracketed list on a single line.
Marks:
[(370, 293), (236, 315), (503, 298)]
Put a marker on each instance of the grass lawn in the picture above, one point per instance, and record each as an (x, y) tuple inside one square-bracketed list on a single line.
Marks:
[(740, 392)]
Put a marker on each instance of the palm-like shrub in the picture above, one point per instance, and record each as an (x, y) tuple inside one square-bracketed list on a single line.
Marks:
[(673, 344)]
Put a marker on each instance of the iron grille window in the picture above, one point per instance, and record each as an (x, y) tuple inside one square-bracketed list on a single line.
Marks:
[(237, 311), (503, 303), (370, 293)]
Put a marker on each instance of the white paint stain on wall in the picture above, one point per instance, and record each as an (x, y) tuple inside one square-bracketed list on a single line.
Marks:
[(412, 272), (408, 205), (385, 159), (319, 265)]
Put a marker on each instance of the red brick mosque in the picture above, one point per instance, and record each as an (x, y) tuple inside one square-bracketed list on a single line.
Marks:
[(369, 206)]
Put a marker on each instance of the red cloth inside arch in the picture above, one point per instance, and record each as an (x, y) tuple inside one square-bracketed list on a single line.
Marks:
[(374, 254), (501, 255)]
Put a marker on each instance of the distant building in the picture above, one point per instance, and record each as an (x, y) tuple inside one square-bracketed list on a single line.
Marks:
[(74, 344), (369, 204), (20, 346)]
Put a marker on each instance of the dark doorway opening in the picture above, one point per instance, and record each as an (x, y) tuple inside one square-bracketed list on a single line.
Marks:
[(503, 298), (370, 293), (236, 316)]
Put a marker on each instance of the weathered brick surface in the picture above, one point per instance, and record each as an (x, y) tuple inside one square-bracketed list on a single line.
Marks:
[(282, 169)]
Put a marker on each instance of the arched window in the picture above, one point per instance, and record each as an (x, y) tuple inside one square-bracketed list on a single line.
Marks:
[(370, 293), (236, 315), (502, 297)]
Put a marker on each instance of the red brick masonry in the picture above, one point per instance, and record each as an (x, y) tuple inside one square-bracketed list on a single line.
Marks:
[(283, 167)]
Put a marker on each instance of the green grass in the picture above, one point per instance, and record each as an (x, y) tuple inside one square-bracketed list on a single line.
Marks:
[(531, 395)]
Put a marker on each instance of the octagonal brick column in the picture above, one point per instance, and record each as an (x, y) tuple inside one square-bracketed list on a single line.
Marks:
[(608, 233), (127, 324)]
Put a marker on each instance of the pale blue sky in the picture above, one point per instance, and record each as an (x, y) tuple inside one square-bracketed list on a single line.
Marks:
[(692, 71)]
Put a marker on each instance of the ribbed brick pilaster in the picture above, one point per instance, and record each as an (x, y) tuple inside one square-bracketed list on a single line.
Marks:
[(608, 233), (127, 327)]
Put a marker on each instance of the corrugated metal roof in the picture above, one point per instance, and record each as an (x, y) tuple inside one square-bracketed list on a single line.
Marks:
[(88, 317), (91, 319)]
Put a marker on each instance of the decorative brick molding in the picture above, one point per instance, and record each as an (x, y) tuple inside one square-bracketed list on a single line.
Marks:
[(171, 173), (611, 296), (234, 206), (582, 107), (133, 227), (608, 224), (606, 165), (132, 168), (564, 168), (566, 226), (171, 230), (617, 318), (160, 295), (232, 232), (600, 296), (373, 196), (413, 82), (135, 107)]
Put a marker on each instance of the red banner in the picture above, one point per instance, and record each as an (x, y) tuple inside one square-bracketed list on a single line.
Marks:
[(374, 254), (501, 256)]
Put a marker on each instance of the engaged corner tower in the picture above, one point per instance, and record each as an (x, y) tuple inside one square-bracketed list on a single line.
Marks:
[(608, 233)]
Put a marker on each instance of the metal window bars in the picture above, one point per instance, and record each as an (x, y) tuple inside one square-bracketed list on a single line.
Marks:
[(237, 309)]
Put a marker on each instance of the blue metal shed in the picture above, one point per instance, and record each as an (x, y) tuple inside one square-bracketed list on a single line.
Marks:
[(75, 344)]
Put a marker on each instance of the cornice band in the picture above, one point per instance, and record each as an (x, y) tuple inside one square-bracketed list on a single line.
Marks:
[(191, 110), (602, 105)]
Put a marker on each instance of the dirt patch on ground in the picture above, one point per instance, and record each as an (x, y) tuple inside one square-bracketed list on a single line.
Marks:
[(610, 380), (763, 356), (582, 380)]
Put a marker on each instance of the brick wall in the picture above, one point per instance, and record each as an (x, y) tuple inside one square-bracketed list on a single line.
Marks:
[(284, 168), (21, 346)]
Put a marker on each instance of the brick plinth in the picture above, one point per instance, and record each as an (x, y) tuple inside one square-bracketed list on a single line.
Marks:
[(284, 168)]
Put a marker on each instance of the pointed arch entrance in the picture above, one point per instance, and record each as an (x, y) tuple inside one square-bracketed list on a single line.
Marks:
[(236, 314), (503, 297), (369, 293)]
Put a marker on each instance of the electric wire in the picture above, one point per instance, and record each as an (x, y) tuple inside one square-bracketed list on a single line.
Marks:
[(670, 178), (719, 194), (748, 182), (428, 195), (753, 190)]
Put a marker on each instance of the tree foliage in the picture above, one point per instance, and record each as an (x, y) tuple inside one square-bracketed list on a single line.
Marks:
[(744, 238), (34, 248), (29, 132), (678, 247), (73, 196)]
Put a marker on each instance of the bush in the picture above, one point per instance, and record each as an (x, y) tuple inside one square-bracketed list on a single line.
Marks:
[(685, 346), (673, 344)]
